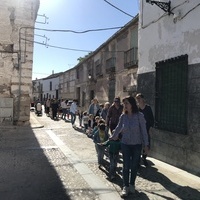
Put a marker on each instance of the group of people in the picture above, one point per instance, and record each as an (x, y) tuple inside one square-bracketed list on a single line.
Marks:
[(119, 127), (57, 108)]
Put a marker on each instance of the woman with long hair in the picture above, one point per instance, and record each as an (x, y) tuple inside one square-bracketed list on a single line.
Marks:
[(132, 127)]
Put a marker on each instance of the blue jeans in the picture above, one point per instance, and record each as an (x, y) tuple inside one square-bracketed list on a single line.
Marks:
[(100, 153), (131, 158), (73, 118), (64, 112)]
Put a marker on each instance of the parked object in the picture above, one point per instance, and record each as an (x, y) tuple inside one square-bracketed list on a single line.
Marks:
[(32, 108), (38, 109)]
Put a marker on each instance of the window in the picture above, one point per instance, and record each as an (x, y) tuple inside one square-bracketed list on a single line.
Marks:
[(77, 73), (50, 85), (131, 58), (171, 94), (98, 68), (110, 64)]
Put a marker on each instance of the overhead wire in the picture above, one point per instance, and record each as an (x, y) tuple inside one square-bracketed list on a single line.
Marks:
[(70, 49), (72, 31), (47, 45), (78, 32), (118, 9)]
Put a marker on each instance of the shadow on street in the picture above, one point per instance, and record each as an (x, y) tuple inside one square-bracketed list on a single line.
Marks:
[(25, 171), (183, 192)]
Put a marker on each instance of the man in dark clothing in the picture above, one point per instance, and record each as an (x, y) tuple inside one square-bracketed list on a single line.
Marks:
[(54, 107), (148, 115), (114, 113)]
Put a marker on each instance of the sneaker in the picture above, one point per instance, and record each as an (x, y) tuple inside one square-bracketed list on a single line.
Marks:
[(132, 189), (125, 191), (145, 162)]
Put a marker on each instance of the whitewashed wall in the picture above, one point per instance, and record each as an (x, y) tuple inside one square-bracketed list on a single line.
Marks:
[(162, 36), (55, 86)]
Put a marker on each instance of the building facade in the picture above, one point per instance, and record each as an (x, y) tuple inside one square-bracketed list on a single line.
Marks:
[(168, 75), (47, 88), (17, 21), (111, 70)]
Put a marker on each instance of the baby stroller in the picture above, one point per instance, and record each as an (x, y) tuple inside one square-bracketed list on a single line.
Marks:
[(38, 109)]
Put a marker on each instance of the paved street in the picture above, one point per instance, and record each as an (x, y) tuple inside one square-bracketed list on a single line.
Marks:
[(52, 161)]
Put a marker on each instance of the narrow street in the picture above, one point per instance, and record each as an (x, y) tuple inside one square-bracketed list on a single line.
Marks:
[(53, 161), (81, 150)]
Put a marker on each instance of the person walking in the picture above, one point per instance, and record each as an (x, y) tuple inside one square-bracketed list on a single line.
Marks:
[(73, 112), (94, 107), (114, 113), (100, 136), (48, 104), (148, 115), (64, 109), (104, 111), (54, 107), (85, 121), (132, 127), (113, 147)]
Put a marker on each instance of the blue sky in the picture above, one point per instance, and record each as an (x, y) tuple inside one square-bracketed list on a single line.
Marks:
[(75, 15)]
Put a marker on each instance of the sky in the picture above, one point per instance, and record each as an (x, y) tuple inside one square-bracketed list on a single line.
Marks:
[(57, 50)]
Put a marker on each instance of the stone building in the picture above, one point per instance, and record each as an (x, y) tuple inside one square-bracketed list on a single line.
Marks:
[(109, 71), (17, 21), (168, 75), (67, 84)]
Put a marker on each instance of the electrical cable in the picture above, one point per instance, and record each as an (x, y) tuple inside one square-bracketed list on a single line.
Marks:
[(119, 9), (64, 48), (79, 32), (47, 45), (190, 11)]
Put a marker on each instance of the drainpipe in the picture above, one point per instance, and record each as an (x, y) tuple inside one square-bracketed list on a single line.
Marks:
[(20, 71)]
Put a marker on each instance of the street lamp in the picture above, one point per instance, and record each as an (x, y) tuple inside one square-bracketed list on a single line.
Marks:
[(166, 6), (89, 76)]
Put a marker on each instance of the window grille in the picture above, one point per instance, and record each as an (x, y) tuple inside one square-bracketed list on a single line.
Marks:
[(171, 94), (98, 67), (110, 64), (131, 58)]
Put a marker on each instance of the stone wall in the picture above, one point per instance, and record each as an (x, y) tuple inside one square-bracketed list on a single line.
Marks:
[(179, 150), (17, 20)]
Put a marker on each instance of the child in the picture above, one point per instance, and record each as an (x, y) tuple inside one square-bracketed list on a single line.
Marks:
[(90, 124), (85, 121), (100, 136), (80, 117), (94, 127), (114, 148)]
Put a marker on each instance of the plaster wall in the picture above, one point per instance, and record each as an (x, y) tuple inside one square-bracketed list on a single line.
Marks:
[(163, 36), (46, 87)]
